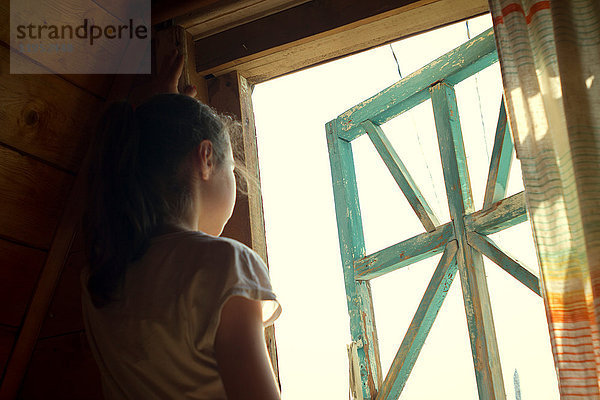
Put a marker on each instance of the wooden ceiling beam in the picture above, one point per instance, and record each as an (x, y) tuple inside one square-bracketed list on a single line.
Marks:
[(298, 23), (207, 17), (227, 14), (319, 31)]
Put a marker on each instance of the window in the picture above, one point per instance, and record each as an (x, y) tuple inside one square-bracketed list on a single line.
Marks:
[(302, 235)]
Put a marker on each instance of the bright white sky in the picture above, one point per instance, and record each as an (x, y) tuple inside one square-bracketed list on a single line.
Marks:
[(302, 241)]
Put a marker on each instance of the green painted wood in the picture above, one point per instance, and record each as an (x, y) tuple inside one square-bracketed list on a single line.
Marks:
[(404, 253), (352, 247), (401, 175), (510, 264), (420, 325), (500, 162), (434, 81), (454, 66), (500, 215), (480, 322), (388, 114)]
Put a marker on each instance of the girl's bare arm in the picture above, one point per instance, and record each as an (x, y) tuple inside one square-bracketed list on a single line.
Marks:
[(242, 354)]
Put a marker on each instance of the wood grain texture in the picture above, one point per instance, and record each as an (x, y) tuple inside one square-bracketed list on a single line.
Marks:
[(510, 264), (45, 116), (482, 334), (219, 16), (404, 253), (352, 248), (70, 218), (32, 195), (62, 368), (96, 84), (105, 56), (500, 162), (20, 267), (254, 196), (454, 66), (194, 78), (337, 42), (290, 25), (500, 215), (231, 94), (5, 22)]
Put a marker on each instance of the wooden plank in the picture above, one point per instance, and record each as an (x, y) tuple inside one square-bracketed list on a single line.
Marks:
[(500, 215), (478, 53), (40, 301), (480, 322), (48, 118), (19, 271), (421, 324), (223, 95), (193, 77), (5, 22), (291, 26), (62, 367), (342, 41), (255, 201), (500, 162), (220, 16), (231, 94), (401, 175), (488, 248), (352, 247), (389, 114), (32, 196), (106, 56), (404, 253), (96, 84)]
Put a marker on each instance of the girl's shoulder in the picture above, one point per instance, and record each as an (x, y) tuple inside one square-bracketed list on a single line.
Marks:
[(207, 248), (201, 239)]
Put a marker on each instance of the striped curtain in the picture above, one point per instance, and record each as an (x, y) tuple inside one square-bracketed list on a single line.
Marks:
[(550, 60)]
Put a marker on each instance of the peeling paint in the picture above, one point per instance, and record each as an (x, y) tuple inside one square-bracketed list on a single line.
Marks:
[(472, 53)]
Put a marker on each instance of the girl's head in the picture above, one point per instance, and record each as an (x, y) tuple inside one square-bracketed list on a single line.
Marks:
[(169, 161)]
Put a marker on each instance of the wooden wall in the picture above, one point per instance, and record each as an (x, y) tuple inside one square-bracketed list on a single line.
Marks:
[(46, 122)]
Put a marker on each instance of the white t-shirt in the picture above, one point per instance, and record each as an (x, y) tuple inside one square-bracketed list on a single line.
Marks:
[(157, 340)]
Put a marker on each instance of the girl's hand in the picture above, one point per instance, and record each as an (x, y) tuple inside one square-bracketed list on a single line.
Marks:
[(169, 74)]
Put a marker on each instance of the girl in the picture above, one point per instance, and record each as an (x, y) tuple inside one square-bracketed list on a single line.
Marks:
[(172, 310)]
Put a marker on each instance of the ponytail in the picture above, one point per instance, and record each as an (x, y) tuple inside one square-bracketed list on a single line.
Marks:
[(119, 217)]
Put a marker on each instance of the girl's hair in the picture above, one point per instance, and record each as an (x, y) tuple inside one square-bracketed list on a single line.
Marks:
[(140, 177)]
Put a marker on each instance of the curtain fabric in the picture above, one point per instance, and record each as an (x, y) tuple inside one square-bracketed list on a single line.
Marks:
[(549, 55)]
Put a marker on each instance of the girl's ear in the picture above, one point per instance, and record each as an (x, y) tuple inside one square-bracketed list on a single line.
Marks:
[(205, 159)]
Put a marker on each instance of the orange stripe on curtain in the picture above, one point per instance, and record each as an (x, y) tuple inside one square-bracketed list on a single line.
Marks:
[(517, 7), (551, 74)]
